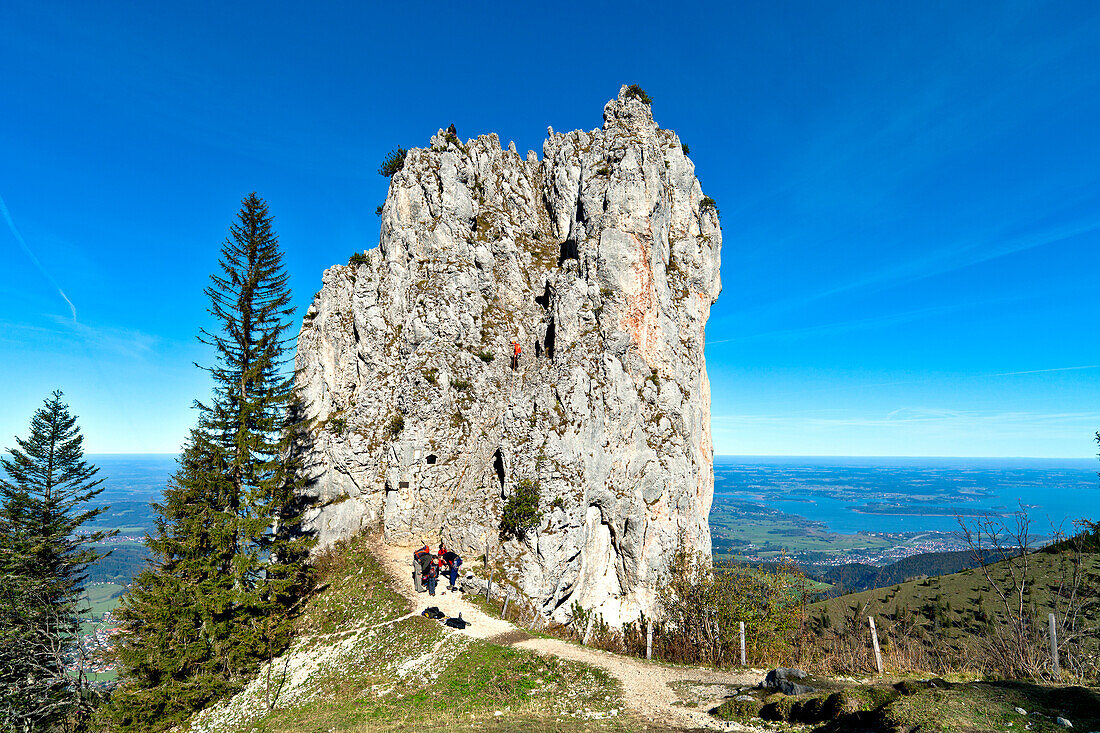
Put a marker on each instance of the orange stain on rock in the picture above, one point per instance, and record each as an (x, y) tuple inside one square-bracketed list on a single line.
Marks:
[(640, 316)]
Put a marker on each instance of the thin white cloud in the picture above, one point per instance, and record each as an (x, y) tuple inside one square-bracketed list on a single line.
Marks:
[(23, 243), (1044, 371), (941, 422), (856, 324), (68, 334), (956, 255)]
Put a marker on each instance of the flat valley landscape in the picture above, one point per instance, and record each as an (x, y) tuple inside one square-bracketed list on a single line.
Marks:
[(836, 510)]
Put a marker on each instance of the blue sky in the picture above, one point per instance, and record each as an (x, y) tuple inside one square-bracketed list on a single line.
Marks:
[(910, 193)]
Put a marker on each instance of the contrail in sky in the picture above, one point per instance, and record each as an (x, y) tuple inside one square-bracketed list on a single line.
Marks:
[(22, 243), (1041, 371)]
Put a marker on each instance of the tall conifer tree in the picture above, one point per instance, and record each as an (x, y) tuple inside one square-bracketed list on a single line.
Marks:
[(229, 560), (44, 556)]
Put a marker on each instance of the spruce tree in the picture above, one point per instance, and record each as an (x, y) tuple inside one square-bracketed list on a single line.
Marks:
[(177, 612), (230, 562), (44, 556)]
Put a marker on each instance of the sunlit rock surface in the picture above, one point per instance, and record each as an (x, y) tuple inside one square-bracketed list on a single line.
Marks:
[(602, 260)]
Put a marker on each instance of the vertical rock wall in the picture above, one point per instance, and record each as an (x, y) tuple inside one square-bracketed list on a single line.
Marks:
[(602, 261)]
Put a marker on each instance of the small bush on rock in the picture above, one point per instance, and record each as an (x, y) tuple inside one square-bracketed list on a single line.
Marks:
[(521, 511), (358, 258), (636, 92), (393, 162), (708, 204)]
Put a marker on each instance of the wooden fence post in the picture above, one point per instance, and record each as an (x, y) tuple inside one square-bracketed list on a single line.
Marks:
[(649, 640), (1054, 647), (743, 644), (874, 641), (504, 608)]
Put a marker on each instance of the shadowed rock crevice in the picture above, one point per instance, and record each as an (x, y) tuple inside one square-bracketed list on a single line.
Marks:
[(498, 469)]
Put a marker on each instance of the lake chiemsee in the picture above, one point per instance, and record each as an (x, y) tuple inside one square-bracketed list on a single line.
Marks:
[(914, 494)]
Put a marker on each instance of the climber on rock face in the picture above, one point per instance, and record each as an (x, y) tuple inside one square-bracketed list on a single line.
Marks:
[(452, 131), (515, 355)]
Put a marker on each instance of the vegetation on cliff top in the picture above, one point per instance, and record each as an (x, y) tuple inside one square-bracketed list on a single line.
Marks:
[(636, 92), (393, 162)]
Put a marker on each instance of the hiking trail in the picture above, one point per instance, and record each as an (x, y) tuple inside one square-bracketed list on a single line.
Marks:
[(647, 686)]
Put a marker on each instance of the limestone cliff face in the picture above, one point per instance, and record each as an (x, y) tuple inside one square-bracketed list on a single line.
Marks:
[(602, 261)]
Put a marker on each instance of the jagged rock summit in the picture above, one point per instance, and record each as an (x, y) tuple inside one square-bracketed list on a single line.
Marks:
[(602, 261)]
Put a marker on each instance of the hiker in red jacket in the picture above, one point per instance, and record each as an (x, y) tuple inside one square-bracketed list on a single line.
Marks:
[(448, 563), (515, 355)]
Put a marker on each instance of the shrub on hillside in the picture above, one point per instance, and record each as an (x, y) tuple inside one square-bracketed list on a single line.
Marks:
[(701, 608)]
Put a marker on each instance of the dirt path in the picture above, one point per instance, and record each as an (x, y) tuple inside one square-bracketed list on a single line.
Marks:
[(653, 691)]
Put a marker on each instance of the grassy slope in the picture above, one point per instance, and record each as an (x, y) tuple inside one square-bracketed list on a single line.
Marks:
[(411, 674), (961, 596), (101, 597)]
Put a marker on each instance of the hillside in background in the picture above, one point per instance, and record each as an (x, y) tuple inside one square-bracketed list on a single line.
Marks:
[(121, 566), (856, 577), (952, 621)]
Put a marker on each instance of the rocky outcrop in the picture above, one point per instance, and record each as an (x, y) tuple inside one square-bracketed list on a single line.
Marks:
[(601, 259)]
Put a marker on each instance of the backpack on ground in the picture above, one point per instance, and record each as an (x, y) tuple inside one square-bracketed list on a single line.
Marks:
[(432, 612)]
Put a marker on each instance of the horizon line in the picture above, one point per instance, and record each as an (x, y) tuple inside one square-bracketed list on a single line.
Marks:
[(751, 455)]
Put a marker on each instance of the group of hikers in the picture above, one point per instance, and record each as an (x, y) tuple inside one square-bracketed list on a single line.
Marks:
[(427, 567)]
